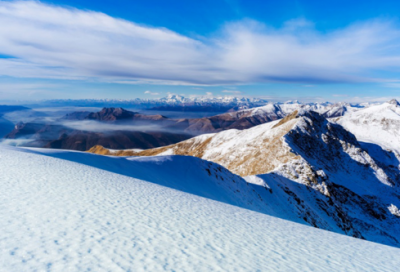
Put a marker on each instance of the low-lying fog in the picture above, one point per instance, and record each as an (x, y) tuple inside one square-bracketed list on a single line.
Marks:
[(54, 116), (48, 114), (95, 126), (179, 114), (44, 114)]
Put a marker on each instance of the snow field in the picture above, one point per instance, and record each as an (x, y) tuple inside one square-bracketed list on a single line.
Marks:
[(59, 215)]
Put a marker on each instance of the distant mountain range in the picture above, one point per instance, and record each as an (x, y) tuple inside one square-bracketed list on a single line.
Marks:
[(171, 102), (221, 104), (82, 130)]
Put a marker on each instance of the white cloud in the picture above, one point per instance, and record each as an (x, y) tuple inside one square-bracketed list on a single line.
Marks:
[(50, 41), (209, 94), (230, 91), (151, 93)]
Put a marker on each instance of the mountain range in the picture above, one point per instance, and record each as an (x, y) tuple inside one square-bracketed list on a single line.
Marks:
[(81, 130), (172, 102), (263, 179), (313, 170)]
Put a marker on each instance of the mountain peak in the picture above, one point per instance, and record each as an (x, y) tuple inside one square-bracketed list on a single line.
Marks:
[(111, 114), (394, 102), (173, 98), (292, 102)]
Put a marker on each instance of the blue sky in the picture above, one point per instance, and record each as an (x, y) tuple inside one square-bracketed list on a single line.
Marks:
[(308, 50), (208, 16)]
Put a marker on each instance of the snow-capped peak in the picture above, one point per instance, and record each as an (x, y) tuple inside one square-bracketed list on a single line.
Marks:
[(293, 102), (378, 124), (171, 98), (394, 102)]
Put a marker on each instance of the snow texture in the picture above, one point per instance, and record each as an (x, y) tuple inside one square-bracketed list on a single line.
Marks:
[(59, 215)]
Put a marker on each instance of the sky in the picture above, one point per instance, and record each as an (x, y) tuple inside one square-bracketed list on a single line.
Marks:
[(279, 50)]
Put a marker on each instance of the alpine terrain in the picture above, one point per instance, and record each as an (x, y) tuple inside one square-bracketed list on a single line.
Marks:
[(310, 170), (153, 214), (199, 136)]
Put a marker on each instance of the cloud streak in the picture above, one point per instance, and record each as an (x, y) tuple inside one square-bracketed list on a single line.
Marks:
[(151, 93), (46, 41)]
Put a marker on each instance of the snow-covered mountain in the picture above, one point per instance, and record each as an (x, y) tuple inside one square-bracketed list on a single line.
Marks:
[(340, 109), (310, 169), (247, 118), (174, 101), (82, 130), (61, 215), (250, 117), (178, 99), (171, 100), (379, 124), (241, 119)]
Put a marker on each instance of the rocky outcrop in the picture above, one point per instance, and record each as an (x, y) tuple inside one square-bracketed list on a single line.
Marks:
[(120, 114)]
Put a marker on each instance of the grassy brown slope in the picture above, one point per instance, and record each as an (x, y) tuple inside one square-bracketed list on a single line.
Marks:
[(258, 157)]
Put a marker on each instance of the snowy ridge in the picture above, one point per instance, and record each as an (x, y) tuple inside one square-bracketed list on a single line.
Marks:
[(378, 125), (59, 215), (358, 185), (316, 170), (275, 111), (340, 109)]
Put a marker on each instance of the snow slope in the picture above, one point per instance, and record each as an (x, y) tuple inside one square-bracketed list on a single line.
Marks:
[(377, 124), (59, 215), (339, 109), (274, 111), (188, 174)]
